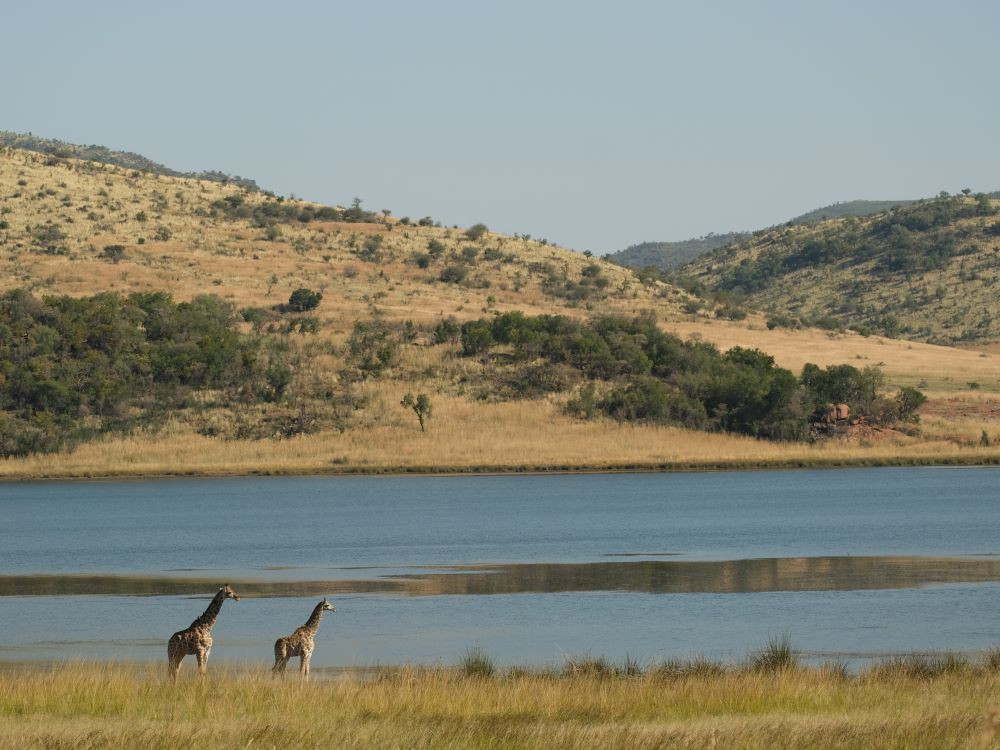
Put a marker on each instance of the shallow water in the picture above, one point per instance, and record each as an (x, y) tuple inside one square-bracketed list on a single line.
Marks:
[(850, 564)]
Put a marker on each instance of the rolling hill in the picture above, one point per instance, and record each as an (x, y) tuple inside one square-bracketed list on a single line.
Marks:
[(667, 256), (925, 271)]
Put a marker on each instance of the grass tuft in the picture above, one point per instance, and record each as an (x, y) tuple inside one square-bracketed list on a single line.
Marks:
[(477, 663), (776, 656)]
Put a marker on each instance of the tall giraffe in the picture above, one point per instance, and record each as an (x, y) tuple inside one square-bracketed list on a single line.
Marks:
[(300, 643), (197, 639)]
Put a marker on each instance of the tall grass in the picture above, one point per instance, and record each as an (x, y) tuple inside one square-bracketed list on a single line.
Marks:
[(617, 706)]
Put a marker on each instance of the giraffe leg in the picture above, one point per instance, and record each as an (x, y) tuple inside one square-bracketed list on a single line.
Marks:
[(279, 665), (174, 656), (203, 660), (174, 665), (304, 664)]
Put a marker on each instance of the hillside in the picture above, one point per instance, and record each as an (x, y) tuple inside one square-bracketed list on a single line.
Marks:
[(319, 320), (61, 150), (669, 255), (926, 271), (840, 210)]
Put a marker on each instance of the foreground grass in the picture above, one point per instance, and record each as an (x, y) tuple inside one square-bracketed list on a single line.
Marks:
[(770, 703)]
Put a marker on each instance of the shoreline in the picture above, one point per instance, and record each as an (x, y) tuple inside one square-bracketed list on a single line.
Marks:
[(569, 468)]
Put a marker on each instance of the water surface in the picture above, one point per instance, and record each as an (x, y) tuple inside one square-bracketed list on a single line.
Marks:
[(848, 563)]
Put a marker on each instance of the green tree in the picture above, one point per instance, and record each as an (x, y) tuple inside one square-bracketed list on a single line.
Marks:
[(476, 231), (303, 299), (421, 406)]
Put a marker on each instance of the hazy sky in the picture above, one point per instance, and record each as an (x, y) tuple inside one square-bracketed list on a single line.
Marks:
[(595, 125)]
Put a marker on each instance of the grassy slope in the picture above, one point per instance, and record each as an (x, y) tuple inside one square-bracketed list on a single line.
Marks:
[(670, 255), (954, 303), (97, 205), (83, 706)]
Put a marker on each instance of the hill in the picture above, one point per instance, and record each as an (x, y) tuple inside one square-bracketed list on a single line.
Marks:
[(667, 256), (925, 271), (236, 331), (61, 150), (840, 210)]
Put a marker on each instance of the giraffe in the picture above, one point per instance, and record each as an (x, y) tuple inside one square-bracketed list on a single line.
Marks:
[(300, 643), (197, 639)]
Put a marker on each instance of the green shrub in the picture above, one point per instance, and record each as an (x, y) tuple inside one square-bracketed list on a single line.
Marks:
[(476, 231), (302, 300)]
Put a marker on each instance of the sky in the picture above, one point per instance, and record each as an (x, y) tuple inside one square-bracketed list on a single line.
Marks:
[(593, 125)]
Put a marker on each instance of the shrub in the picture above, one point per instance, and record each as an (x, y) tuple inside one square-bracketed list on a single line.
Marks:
[(454, 274), (373, 346), (476, 231), (447, 330), (302, 299), (647, 399), (114, 253)]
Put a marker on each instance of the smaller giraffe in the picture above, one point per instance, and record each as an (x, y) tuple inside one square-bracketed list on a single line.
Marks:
[(300, 643), (197, 639)]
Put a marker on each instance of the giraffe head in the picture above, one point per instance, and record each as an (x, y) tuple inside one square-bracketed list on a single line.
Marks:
[(230, 594), (327, 607)]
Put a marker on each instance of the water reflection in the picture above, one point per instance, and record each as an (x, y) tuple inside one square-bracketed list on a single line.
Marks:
[(645, 576)]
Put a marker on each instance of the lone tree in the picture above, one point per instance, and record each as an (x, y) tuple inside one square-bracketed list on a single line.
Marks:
[(476, 231), (303, 299), (421, 406)]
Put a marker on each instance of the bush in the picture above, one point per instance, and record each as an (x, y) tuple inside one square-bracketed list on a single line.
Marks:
[(476, 231), (446, 331), (302, 300), (647, 399), (373, 346), (114, 253), (454, 274), (731, 312)]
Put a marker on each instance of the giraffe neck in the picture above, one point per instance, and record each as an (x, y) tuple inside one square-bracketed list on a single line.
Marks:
[(312, 624), (207, 620)]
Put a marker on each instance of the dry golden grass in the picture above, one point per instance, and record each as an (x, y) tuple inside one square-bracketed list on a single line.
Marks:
[(91, 706), (467, 436)]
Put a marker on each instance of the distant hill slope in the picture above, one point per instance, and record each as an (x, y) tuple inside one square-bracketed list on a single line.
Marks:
[(926, 270), (127, 159), (670, 255), (848, 208), (667, 256)]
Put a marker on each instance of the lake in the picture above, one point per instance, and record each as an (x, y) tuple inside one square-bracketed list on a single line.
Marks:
[(849, 564)]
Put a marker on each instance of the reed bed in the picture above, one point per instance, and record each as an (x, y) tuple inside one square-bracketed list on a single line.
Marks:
[(773, 702)]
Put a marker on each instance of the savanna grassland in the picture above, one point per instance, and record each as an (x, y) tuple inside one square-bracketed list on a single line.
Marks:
[(395, 294), (907, 703)]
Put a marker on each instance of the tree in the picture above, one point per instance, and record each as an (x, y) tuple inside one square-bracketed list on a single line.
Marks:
[(421, 406), (476, 231), (304, 299)]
